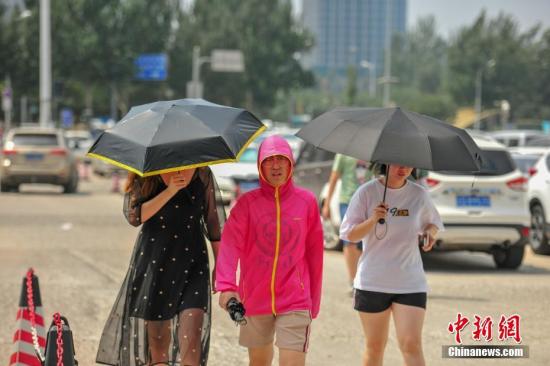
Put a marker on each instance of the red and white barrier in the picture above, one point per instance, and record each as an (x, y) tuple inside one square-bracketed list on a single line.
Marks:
[(31, 332)]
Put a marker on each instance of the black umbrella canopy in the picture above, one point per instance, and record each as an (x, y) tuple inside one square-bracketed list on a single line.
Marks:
[(171, 135), (394, 136)]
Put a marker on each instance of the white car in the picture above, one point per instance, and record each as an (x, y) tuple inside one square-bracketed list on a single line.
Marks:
[(486, 212), (538, 193), (512, 138)]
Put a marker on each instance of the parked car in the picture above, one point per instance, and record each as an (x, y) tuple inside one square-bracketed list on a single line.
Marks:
[(512, 138), (37, 155), (486, 211), (543, 141), (79, 141), (526, 158), (538, 193)]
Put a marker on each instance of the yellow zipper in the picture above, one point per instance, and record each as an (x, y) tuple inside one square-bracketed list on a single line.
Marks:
[(276, 258)]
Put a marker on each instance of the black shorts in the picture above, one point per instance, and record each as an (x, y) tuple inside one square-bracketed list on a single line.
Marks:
[(375, 302)]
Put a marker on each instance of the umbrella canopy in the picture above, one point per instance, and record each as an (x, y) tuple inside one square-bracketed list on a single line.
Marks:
[(393, 136), (180, 134)]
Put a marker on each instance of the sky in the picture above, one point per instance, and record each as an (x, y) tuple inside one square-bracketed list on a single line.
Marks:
[(452, 14)]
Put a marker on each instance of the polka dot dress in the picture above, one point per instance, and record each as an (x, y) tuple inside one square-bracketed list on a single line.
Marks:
[(168, 278)]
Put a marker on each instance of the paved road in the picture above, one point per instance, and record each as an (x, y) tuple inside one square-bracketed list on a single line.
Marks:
[(80, 244)]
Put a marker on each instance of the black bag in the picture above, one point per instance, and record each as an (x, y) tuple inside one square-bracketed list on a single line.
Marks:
[(68, 345)]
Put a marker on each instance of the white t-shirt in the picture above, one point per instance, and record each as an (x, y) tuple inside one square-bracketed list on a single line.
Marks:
[(393, 263)]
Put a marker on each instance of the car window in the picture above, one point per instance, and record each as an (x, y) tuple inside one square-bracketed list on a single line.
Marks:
[(494, 162), (513, 142), (542, 142), (524, 162), (531, 138), (39, 139)]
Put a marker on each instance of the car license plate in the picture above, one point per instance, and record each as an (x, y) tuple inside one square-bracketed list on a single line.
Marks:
[(248, 186), (473, 201), (34, 157)]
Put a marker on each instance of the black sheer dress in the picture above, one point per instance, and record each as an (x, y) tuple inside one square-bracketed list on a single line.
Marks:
[(164, 302)]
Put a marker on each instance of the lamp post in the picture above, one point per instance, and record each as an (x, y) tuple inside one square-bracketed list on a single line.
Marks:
[(371, 66), (45, 65), (479, 90)]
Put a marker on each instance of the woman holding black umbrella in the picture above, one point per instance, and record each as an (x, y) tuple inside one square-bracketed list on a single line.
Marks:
[(162, 313), (390, 277)]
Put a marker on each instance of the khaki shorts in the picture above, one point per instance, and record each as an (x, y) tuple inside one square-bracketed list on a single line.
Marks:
[(291, 330)]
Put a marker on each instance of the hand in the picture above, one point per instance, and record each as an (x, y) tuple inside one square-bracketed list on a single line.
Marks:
[(177, 182), (214, 280), (430, 241), (325, 212), (226, 296), (380, 212)]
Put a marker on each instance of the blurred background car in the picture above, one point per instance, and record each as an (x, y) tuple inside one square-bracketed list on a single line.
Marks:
[(80, 141), (538, 193), (543, 141), (486, 211), (512, 138), (37, 155)]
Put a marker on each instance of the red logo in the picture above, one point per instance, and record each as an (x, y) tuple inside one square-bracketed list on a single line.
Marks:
[(508, 327)]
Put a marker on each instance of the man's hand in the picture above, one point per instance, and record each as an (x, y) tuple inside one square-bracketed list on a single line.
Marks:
[(226, 296)]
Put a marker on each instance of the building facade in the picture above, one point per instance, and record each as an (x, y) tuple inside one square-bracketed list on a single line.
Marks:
[(350, 32)]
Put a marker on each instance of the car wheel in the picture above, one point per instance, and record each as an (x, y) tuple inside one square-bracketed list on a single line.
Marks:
[(509, 258), (331, 239), (538, 237), (72, 185)]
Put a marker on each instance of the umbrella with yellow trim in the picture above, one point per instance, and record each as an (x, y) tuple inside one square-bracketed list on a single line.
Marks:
[(179, 134)]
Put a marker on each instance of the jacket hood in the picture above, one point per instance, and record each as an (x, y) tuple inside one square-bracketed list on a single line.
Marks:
[(275, 145)]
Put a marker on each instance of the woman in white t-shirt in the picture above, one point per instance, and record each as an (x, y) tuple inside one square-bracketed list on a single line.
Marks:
[(390, 277)]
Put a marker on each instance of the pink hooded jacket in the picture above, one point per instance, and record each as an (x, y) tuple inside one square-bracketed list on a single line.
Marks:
[(277, 236)]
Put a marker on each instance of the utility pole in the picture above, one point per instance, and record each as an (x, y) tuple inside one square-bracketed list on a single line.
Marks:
[(195, 87), (387, 55), (45, 65)]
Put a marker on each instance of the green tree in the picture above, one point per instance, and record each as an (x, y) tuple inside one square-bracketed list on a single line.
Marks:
[(513, 75), (419, 59), (269, 38)]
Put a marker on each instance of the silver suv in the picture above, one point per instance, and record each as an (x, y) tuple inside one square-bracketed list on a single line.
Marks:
[(486, 212), (37, 155)]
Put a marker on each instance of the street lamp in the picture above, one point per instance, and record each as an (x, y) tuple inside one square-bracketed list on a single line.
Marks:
[(371, 66), (479, 80)]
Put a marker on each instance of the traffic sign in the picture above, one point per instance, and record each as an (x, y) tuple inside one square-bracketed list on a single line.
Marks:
[(152, 67), (227, 60), (67, 117), (7, 99)]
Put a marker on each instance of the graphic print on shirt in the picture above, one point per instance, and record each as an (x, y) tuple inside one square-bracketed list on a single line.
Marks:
[(394, 211), (267, 235)]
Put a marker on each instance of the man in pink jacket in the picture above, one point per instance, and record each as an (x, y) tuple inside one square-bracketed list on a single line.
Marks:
[(275, 233)]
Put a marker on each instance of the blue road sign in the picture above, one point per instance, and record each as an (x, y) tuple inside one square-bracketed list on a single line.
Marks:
[(152, 67), (67, 117)]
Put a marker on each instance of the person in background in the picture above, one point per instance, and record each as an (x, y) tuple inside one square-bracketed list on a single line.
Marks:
[(352, 173), (275, 233)]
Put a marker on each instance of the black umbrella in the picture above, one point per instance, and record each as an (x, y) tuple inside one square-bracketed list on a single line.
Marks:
[(172, 135), (393, 136)]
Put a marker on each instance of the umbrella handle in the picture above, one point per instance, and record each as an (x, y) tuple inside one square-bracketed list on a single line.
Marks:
[(383, 221)]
